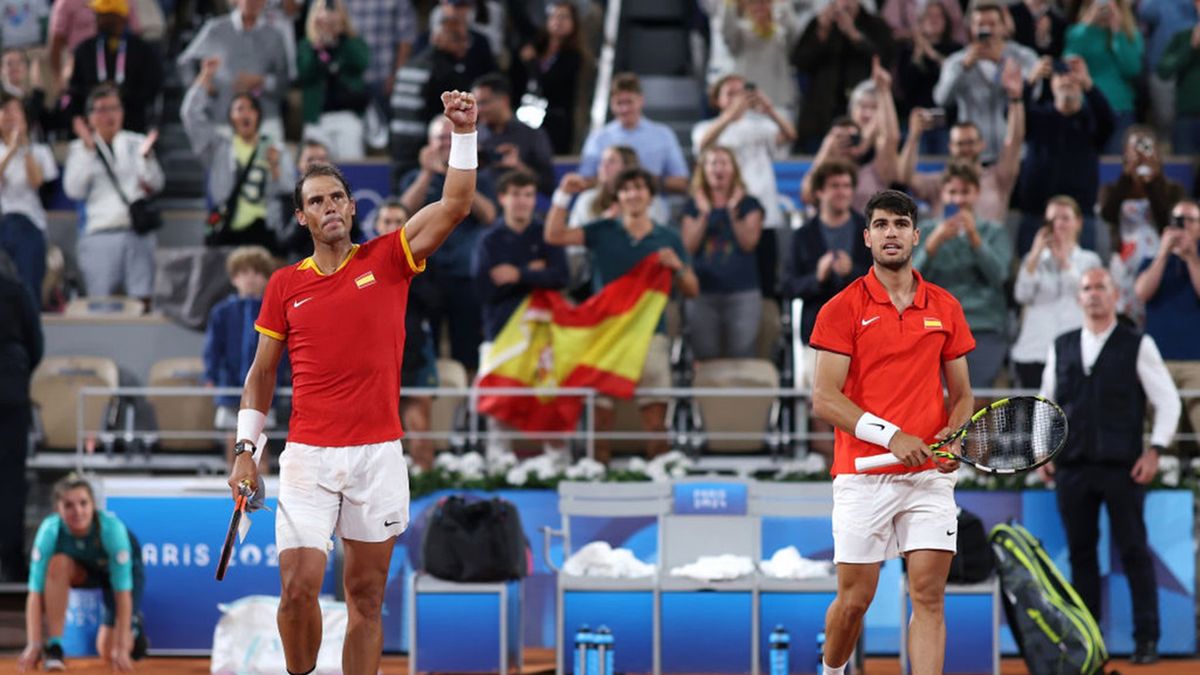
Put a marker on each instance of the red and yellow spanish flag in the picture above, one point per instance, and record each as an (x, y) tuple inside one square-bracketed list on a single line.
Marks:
[(547, 342)]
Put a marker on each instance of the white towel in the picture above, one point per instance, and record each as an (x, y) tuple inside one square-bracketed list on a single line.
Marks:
[(716, 568), (598, 559), (787, 563)]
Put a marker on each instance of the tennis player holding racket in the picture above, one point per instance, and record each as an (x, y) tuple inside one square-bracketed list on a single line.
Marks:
[(884, 345), (340, 314)]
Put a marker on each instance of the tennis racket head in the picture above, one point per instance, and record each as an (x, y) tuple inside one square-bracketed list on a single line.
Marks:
[(1011, 435)]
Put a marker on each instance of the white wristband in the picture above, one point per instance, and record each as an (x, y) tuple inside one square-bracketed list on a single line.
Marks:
[(561, 198), (463, 154), (250, 425), (875, 430)]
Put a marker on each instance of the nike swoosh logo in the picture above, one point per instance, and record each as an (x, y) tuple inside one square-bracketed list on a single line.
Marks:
[(389, 523), (300, 302), (949, 533), (867, 322), (875, 424)]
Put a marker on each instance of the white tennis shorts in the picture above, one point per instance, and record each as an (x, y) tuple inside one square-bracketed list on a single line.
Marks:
[(359, 492), (876, 517)]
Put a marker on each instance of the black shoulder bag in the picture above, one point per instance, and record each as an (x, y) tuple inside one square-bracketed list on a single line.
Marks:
[(221, 216), (144, 215)]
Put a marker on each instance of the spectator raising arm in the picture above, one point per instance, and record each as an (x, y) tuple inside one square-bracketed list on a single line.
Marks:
[(556, 232)]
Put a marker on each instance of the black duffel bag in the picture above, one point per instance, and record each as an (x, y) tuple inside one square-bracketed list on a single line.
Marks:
[(471, 540)]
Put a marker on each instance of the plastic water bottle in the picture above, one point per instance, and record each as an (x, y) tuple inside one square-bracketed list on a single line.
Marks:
[(604, 650), (584, 646), (779, 641), (820, 653)]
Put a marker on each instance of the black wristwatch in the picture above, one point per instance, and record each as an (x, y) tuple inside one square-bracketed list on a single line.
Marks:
[(243, 446), (1159, 449)]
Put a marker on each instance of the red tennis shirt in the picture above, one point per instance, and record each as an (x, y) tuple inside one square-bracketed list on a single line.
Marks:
[(895, 359), (345, 339)]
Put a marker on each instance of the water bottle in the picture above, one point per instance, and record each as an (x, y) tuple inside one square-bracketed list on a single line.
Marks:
[(779, 641), (584, 643), (820, 653), (604, 650)]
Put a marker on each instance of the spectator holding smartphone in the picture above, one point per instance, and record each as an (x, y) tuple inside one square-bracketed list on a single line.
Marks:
[(1047, 282), (1107, 38), (1136, 208), (997, 179), (971, 77), (868, 138), (918, 67), (1170, 286), (969, 257)]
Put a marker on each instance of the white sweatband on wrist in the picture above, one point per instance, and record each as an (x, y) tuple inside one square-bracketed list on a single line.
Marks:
[(875, 430), (463, 154), (561, 198), (250, 425)]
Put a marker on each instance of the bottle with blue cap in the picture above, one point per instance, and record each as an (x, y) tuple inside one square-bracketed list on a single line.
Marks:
[(604, 651), (584, 646), (779, 643), (820, 653)]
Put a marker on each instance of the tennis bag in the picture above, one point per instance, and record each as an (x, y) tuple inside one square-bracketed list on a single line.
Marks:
[(1053, 628), (475, 540), (973, 561)]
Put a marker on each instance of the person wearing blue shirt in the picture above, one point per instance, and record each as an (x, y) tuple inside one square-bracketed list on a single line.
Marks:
[(81, 547), (230, 339), (722, 225), (617, 245), (511, 259), (1169, 284), (657, 146)]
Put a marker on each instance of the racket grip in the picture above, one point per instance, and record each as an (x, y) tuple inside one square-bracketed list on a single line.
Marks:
[(876, 461)]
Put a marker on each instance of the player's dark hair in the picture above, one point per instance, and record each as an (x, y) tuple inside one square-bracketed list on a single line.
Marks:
[(515, 179), (71, 481), (830, 168), (314, 171), (636, 173), (892, 201)]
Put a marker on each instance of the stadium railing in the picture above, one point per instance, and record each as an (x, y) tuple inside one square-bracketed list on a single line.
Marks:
[(129, 445)]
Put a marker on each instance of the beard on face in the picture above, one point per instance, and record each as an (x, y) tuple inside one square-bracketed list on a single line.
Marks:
[(894, 265)]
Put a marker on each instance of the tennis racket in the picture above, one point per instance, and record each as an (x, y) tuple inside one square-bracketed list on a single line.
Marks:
[(1009, 436), (239, 508)]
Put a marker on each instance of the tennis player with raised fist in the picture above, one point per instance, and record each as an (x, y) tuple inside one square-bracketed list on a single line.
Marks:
[(340, 314), (884, 344)]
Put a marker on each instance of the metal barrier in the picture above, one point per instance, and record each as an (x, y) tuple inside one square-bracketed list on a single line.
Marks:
[(95, 447)]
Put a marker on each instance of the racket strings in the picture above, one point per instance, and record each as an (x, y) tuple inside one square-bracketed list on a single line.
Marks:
[(1019, 434)]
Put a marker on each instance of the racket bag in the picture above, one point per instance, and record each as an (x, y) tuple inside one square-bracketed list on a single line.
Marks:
[(475, 540), (1053, 628)]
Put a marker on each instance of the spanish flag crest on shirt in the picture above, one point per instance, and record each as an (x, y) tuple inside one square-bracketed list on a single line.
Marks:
[(547, 342)]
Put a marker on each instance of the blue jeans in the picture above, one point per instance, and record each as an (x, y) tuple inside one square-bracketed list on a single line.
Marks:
[(26, 245), (1185, 138)]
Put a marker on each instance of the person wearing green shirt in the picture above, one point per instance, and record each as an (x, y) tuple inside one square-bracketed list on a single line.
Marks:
[(1180, 63), (1108, 40), (969, 257), (80, 547), (331, 61)]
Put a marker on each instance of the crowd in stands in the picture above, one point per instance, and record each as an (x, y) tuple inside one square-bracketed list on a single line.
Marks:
[(1023, 99)]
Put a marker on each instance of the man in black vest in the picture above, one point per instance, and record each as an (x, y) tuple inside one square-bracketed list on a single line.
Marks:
[(1102, 376)]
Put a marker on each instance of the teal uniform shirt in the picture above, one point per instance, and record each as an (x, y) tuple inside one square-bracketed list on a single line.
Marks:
[(106, 552)]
